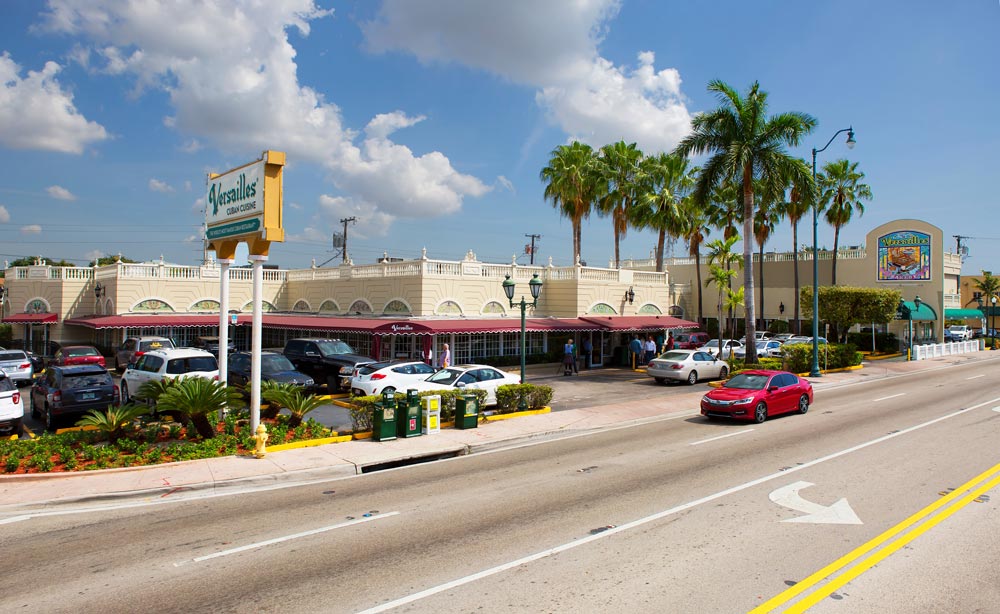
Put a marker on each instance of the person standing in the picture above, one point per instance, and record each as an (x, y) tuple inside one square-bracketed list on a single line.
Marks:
[(635, 350), (650, 347), (588, 350), (445, 357), (576, 357), (670, 342), (568, 359)]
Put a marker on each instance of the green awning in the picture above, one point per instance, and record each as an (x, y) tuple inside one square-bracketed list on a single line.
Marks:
[(925, 313), (963, 314)]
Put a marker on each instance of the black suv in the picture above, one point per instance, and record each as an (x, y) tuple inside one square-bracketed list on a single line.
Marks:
[(329, 361), (211, 344), (69, 390)]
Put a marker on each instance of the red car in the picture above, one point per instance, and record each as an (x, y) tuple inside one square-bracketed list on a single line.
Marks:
[(756, 395), (78, 355), (690, 340)]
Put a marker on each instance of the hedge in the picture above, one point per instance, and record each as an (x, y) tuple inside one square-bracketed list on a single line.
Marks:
[(798, 356)]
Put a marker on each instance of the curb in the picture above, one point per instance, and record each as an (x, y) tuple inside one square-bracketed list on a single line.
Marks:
[(517, 414)]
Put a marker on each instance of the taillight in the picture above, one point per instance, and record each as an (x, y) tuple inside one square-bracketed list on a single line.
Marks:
[(25, 365), (216, 378), (676, 366), (378, 376), (16, 397), (117, 395), (138, 353), (101, 361), (57, 396)]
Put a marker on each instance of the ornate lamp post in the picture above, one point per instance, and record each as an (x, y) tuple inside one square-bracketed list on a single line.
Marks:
[(814, 372), (993, 318), (535, 285)]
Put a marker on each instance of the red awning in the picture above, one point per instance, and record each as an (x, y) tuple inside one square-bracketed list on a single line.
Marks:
[(644, 323), (32, 318), (482, 325), (319, 322), (150, 320)]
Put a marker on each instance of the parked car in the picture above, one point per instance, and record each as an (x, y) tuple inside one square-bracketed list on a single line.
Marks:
[(11, 406), (377, 377), (960, 332), (766, 347), (328, 361), (757, 395), (759, 335), (78, 355), (211, 344), (712, 347), (37, 363), (167, 364), (690, 341), (804, 339), (17, 366), (134, 347), (71, 390), (477, 377), (783, 337), (274, 367), (686, 365)]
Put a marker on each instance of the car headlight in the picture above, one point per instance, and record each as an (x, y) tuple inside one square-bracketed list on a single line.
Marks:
[(309, 382), (743, 401), (346, 370)]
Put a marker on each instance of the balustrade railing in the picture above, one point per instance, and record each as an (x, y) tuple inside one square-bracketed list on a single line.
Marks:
[(936, 350)]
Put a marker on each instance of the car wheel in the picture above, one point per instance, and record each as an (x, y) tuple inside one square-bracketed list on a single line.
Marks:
[(126, 399), (693, 378), (390, 389), (803, 404), (50, 420), (17, 428), (660, 380), (760, 413), (723, 372)]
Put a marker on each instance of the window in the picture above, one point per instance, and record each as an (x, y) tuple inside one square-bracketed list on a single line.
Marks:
[(86, 380), (468, 377), (150, 363), (239, 363), (6, 385)]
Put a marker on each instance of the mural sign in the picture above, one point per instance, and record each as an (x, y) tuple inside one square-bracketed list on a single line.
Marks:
[(904, 255)]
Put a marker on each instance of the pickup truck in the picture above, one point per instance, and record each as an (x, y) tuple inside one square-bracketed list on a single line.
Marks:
[(329, 361)]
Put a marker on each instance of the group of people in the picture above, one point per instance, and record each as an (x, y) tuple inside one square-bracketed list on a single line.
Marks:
[(644, 351), (571, 359)]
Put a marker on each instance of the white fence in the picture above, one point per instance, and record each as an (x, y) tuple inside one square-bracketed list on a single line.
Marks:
[(934, 350)]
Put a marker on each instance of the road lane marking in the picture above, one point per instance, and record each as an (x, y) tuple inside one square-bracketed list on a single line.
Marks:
[(977, 376), (891, 396), (278, 540), (390, 605), (967, 492), (698, 443), (840, 512), (996, 409)]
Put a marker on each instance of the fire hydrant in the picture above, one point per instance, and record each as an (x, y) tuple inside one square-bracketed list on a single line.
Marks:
[(260, 441)]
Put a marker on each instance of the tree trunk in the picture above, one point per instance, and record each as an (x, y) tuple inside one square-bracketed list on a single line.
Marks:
[(659, 251), (751, 355), (697, 269), (795, 252), (294, 421), (762, 303), (836, 242), (203, 425)]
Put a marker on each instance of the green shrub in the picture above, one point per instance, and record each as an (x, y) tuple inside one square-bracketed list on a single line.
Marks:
[(884, 342), (798, 356), (509, 397), (779, 326)]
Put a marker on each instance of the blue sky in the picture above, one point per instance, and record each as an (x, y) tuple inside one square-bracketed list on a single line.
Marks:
[(429, 120)]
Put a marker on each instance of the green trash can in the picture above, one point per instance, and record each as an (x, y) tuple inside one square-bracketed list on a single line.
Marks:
[(408, 424), (384, 420), (467, 412)]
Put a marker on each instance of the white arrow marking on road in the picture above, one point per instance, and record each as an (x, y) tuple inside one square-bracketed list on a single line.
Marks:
[(838, 513), (996, 409)]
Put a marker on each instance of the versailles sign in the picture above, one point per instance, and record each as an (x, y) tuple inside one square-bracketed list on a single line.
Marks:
[(244, 204)]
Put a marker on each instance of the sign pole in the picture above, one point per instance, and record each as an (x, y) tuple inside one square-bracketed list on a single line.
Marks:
[(258, 290), (223, 321)]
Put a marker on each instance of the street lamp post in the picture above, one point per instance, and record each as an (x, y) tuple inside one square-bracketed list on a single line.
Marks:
[(993, 318), (535, 285), (909, 322), (814, 372)]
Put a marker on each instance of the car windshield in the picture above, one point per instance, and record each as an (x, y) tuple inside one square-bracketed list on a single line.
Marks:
[(747, 381), (326, 348), (372, 367), (275, 363), (445, 376), (86, 380), (12, 355), (762, 345), (679, 356), (81, 352), (714, 343), (156, 344)]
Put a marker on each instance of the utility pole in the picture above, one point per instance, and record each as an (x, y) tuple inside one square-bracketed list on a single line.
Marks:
[(532, 248), (961, 258), (344, 221)]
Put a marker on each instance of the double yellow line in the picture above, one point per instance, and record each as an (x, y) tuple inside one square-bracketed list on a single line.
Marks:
[(961, 497)]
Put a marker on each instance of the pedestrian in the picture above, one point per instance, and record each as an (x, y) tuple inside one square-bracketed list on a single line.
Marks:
[(650, 347), (429, 357), (568, 359), (670, 342), (588, 350), (576, 357), (445, 357), (635, 350)]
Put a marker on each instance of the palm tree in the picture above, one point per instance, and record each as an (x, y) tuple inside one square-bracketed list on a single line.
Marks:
[(990, 287), (720, 253), (725, 208), (197, 398), (771, 193), (113, 420), (573, 184), (841, 193), (736, 298), (274, 393), (622, 173), (668, 179), (297, 403), (800, 199), (695, 232), (721, 278), (745, 143)]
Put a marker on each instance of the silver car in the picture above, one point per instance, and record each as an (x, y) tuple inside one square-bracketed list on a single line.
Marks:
[(17, 366), (686, 365)]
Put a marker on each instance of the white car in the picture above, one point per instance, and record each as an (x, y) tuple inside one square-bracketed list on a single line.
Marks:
[(960, 332), (760, 335), (712, 347), (767, 347), (378, 377), (803, 339), (470, 377), (11, 406), (686, 365), (167, 364), (17, 366)]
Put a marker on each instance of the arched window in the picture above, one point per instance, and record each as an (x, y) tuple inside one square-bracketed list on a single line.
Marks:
[(360, 306), (396, 307), (494, 308), (676, 310), (301, 305), (37, 305), (152, 304), (603, 309), (448, 308), (650, 309), (265, 307), (206, 305), (329, 306)]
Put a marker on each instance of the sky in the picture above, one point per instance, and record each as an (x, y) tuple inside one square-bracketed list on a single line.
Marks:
[(429, 120)]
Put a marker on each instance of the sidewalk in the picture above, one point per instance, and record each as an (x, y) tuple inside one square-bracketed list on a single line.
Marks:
[(353, 457)]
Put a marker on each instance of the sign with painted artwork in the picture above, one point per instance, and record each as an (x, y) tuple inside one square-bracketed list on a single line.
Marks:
[(904, 255)]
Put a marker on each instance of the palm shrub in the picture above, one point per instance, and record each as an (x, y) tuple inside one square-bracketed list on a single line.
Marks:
[(113, 420), (151, 391), (198, 398), (274, 393), (296, 402)]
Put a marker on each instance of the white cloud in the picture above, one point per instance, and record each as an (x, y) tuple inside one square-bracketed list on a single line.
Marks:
[(371, 221), (93, 255), (4, 215), (550, 46), (37, 113), (60, 193), (506, 183), (191, 146), (187, 186), (31, 229), (295, 206), (159, 186), (240, 91)]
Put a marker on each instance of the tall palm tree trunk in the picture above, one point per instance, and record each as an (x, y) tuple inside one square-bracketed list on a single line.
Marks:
[(795, 253), (697, 268), (751, 354), (762, 286), (659, 250), (836, 243)]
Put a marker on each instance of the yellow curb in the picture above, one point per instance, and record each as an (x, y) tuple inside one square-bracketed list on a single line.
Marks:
[(73, 429), (327, 397), (518, 414), (882, 356), (13, 437), (308, 443), (841, 370), (347, 404), (364, 435), (715, 384)]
